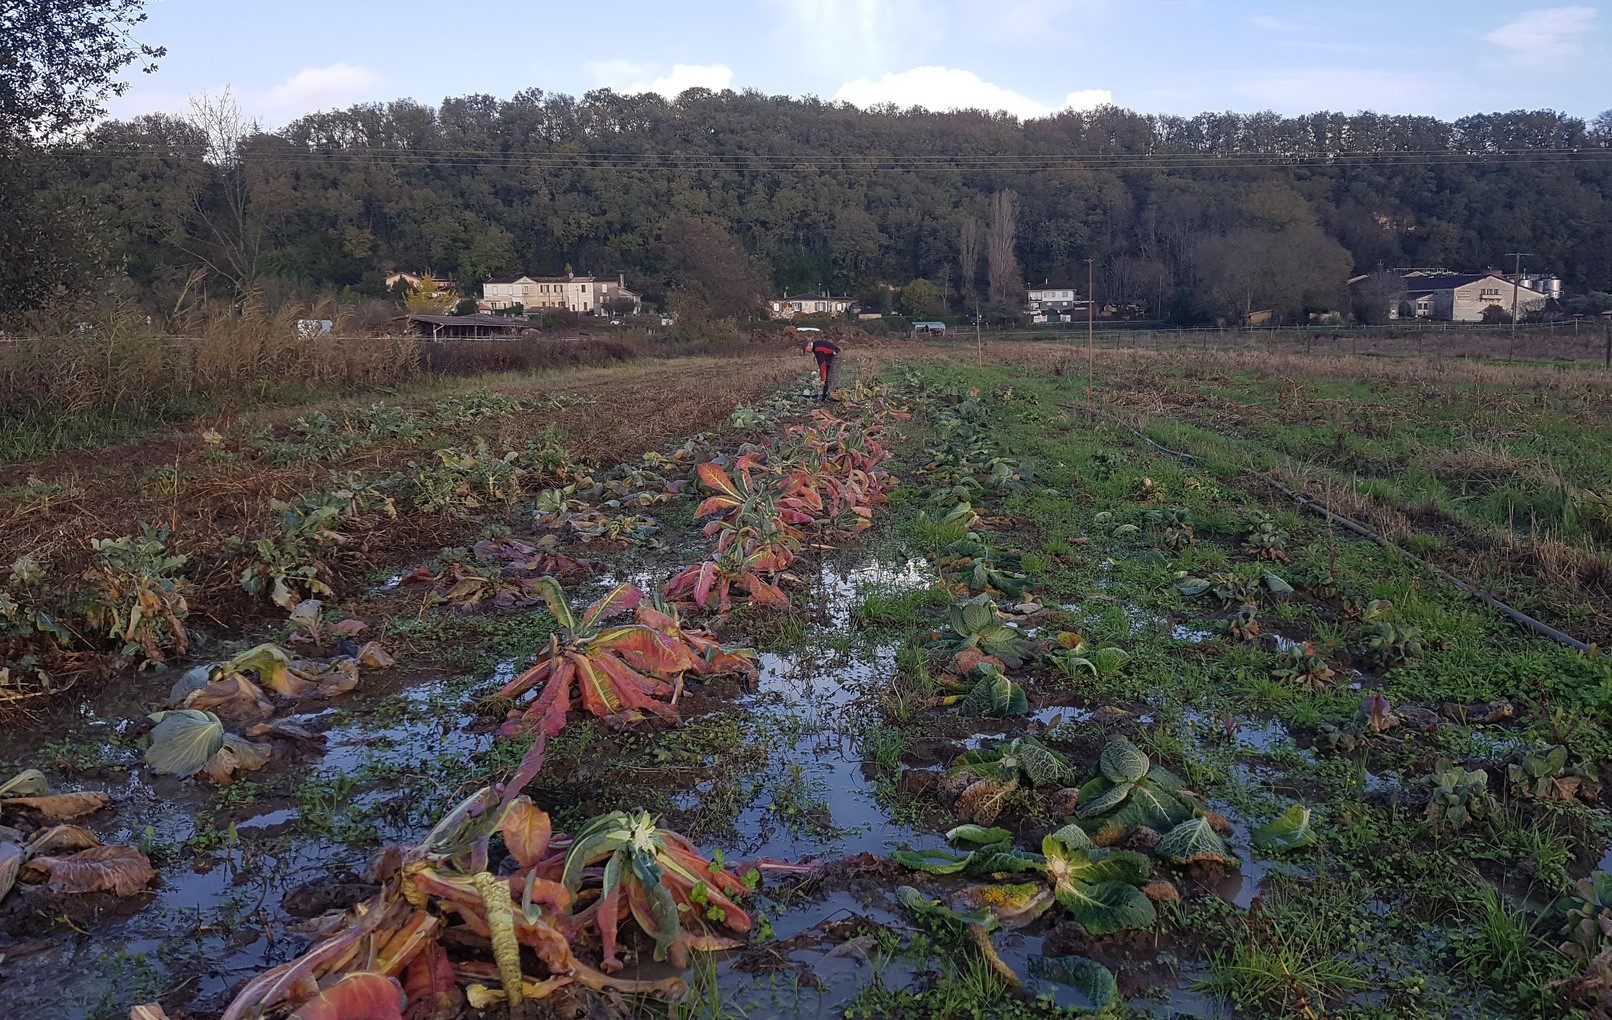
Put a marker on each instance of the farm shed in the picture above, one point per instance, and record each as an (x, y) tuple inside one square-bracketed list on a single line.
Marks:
[(923, 329), (461, 327)]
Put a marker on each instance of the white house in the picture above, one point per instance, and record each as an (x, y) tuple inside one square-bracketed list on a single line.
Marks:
[(788, 307)]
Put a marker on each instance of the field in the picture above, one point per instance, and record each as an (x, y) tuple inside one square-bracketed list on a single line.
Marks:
[(970, 694)]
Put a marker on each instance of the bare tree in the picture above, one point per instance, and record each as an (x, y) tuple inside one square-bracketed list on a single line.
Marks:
[(969, 249), (225, 233), (1002, 265)]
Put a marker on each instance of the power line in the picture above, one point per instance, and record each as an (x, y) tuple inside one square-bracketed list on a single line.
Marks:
[(761, 163)]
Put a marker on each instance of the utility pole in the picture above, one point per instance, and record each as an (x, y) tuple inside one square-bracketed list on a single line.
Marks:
[(1091, 325), (1516, 289)]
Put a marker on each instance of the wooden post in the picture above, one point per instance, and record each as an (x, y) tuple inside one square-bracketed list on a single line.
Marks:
[(979, 341), (1609, 345)]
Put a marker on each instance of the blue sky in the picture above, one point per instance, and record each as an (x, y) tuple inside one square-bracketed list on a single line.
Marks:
[(1028, 57)]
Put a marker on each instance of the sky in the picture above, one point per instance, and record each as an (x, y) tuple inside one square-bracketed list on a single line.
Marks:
[(1028, 57)]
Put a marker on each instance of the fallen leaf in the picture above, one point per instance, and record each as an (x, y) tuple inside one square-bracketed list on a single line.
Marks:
[(60, 838), (27, 783), (237, 755), (350, 627), (364, 995), (116, 869), (342, 679), (429, 983), (149, 1011), (527, 829), (61, 807), (375, 657), (234, 695), (11, 858)]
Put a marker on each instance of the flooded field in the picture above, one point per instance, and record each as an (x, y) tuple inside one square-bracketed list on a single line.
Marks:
[(953, 733)]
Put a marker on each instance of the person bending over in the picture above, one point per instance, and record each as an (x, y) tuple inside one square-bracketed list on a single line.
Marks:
[(827, 353)]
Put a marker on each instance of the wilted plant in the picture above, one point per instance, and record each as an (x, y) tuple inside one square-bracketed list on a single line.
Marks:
[(1460, 797), (1148, 490), (1543, 774), (975, 625), (1173, 527), (1589, 916), (1385, 645), (1376, 713), (1074, 658), (619, 670), (65, 859), (657, 878), (1264, 539), (288, 564), (1242, 625), (1000, 770), (1129, 792), (981, 569), (1100, 889), (1232, 587), (448, 887), (1302, 667), (138, 595), (992, 694), (1195, 841), (1290, 830), (732, 572), (466, 480), (23, 602)]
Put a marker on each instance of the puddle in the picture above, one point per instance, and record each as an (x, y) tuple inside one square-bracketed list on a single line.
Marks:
[(1256, 735), (1192, 636), (1058, 715)]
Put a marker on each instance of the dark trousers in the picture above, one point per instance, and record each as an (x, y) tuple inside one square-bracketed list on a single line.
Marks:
[(828, 369)]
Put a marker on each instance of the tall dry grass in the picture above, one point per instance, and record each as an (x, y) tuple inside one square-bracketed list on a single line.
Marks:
[(118, 362)]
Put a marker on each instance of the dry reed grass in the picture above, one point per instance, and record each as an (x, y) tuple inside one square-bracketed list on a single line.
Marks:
[(117, 361)]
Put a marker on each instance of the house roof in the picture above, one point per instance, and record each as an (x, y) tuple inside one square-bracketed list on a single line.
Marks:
[(813, 297), (557, 279), (491, 321), (1051, 286), (1443, 281)]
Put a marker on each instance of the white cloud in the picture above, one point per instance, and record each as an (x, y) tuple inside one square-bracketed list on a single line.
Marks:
[(1543, 36), (857, 35), (950, 88), (1305, 90), (627, 77), (322, 88), (683, 77), (1271, 24), (615, 73), (1086, 99)]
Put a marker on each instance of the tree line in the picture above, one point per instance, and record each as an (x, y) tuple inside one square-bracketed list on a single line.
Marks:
[(733, 196)]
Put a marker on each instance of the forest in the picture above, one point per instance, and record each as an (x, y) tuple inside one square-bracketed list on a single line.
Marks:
[(738, 194)]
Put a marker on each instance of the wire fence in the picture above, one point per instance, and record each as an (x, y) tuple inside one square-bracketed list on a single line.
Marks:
[(1588, 340)]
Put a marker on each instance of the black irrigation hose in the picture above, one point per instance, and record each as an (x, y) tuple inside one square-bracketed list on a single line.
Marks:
[(1311, 503)]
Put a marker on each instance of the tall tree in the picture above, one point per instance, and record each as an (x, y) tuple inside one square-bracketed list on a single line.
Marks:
[(969, 244), (1002, 262), (59, 61), (58, 65), (226, 231)]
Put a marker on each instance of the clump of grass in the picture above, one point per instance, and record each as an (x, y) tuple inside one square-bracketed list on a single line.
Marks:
[(885, 606)]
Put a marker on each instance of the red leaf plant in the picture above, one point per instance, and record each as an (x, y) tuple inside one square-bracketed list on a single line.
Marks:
[(730, 571), (422, 944), (618, 670)]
